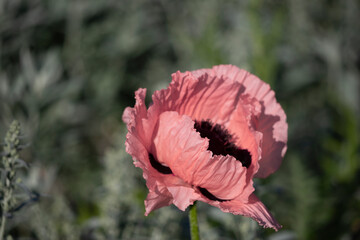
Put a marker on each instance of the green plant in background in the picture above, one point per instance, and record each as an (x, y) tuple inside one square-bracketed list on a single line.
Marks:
[(11, 192), (53, 219), (266, 33), (117, 194)]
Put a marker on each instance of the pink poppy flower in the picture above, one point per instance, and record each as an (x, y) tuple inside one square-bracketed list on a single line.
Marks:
[(205, 138)]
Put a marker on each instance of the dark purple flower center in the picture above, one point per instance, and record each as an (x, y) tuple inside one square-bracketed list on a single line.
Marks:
[(221, 142)]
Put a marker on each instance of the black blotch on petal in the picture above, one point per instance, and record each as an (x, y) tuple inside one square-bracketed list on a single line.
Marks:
[(207, 194), (158, 166), (242, 155), (220, 142)]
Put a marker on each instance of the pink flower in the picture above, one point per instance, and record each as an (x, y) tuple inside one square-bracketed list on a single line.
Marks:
[(205, 138)]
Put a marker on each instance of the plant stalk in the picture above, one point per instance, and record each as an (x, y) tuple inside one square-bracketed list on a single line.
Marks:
[(194, 227), (3, 219)]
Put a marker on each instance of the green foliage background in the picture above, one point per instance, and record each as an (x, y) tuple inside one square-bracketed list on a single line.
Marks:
[(69, 68)]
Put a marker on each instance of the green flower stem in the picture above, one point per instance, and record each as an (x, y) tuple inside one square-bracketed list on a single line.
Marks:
[(194, 227)]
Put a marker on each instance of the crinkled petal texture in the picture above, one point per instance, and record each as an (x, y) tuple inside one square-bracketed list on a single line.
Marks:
[(205, 137), (270, 121)]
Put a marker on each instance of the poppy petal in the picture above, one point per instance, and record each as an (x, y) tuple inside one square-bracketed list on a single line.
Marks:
[(164, 189), (271, 121), (183, 196), (178, 146), (225, 178), (254, 208), (157, 199), (202, 98), (169, 192)]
